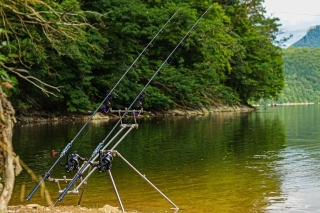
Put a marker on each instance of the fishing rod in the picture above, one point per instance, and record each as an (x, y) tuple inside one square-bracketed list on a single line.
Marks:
[(68, 146), (100, 146)]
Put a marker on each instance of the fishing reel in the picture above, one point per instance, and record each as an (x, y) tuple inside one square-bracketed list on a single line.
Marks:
[(72, 161), (105, 159)]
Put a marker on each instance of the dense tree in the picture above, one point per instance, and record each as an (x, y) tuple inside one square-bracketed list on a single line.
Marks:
[(32, 35), (229, 58), (302, 71), (257, 66), (54, 43)]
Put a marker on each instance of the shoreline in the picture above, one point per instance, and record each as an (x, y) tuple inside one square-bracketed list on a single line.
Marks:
[(286, 104), (32, 116), (35, 208)]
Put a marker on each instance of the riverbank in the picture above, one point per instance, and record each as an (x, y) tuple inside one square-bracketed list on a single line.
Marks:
[(35, 116), (35, 208), (287, 104)]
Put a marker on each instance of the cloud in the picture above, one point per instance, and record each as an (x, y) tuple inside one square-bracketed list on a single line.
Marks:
[(296, 16)]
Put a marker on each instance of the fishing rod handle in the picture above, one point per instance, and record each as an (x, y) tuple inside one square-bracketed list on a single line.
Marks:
[(28, 198), (45, 177)]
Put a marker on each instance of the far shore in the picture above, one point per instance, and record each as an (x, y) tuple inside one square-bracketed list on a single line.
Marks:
[(35, 116), (286, 104)]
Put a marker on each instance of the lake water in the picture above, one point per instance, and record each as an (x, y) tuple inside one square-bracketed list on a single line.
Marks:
[(263, 161)]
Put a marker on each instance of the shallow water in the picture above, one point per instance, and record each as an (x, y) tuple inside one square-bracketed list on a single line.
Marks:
[(264, 161)]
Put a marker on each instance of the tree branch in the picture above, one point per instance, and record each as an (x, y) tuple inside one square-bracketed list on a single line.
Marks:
[(33, 80)]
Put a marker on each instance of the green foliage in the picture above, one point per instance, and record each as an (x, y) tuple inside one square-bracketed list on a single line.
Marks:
[(7, 82), (61, 49), (257, 66), (198, 70), (228, 58), (228, 96), (302, 72)]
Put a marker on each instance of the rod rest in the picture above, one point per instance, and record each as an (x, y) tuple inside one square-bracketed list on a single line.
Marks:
[(72, 192), (129, 126)]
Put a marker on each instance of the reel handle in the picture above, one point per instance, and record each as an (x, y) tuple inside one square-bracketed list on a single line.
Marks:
[(33, 191)]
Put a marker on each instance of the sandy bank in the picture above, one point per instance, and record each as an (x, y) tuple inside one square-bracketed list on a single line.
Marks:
[(34, 208)]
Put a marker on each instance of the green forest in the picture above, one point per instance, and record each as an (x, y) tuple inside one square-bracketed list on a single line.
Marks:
[(302, 71), (66, 55), (302, 75)]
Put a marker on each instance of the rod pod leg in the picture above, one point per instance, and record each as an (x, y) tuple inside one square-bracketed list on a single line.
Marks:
[(147, 180), (83, 188), (116, 190)]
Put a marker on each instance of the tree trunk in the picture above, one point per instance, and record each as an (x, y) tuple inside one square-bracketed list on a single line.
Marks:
[(7, 160)]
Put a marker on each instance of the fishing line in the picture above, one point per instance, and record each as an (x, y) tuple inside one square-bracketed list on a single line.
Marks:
[(100, 146), (68, 146), (83, 138), (175, 55)]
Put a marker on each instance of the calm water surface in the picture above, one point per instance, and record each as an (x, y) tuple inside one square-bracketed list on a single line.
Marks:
[(264, 161)]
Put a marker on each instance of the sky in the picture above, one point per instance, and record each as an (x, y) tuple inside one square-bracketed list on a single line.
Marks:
[(296, 16)]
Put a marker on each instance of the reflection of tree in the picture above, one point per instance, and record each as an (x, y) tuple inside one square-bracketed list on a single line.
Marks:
[(252, 135), (232, 154), (249, 146)]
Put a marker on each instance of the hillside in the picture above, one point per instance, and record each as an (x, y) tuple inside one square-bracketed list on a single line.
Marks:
[(302, 75), (302, 69), (311, 39)]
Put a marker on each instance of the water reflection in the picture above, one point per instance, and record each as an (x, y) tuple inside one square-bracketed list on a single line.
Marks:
[(299, 167), (224, 162)]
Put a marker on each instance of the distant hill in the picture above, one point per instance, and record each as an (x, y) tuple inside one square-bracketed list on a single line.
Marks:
[(311, 39), (302, 71)]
